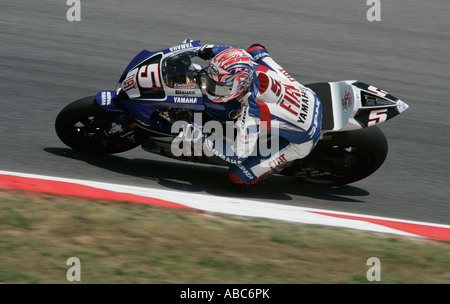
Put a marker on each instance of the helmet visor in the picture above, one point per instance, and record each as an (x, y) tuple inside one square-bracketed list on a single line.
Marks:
[(218, 89)]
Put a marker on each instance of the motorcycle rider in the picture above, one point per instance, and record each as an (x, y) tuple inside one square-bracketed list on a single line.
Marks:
[(272, 101)]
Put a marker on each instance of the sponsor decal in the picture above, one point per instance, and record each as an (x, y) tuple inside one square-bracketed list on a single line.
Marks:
[(304, 107), (259, 56), (286, 74), (347, 100), (184, 92), (280, 160), (213, 69), (190, 85), (106, 98), (246, 172), (185, 99), (181, 47), (296, 102), (226, 158), (129, 83)]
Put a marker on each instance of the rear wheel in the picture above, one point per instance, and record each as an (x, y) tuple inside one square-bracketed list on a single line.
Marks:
[(84, 126), (343, 157)]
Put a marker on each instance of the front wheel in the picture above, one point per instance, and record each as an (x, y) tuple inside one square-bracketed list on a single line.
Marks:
[(84, 126), (343, 157)]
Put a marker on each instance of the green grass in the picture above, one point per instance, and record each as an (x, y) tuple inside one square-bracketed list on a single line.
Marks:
[(134, 243)]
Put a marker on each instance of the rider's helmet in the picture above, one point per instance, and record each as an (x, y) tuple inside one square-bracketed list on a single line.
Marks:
[(230, 75)]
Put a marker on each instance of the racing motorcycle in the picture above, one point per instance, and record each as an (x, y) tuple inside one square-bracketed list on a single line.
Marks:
[(158, 89)]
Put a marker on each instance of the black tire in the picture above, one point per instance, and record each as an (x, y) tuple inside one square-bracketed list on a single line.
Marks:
[(81, 125), (343, 157)]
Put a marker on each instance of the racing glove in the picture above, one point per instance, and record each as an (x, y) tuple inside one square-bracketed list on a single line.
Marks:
[(192, 133), (208, 51)]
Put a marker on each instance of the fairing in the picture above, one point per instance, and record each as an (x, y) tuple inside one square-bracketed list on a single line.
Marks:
[(164, 79), (354, 105)]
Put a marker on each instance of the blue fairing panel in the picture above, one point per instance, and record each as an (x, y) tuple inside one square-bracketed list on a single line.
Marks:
[(143, 55), (108, 101)]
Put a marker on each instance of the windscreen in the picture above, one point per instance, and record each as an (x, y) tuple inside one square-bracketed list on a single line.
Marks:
[(180, 72)]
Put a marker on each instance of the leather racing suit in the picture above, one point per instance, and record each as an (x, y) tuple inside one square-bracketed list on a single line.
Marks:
[(278, 105)]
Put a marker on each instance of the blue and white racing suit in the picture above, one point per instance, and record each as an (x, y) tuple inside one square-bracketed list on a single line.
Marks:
[(276, 105)]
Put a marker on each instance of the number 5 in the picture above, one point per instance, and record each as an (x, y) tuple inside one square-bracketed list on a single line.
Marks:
[(148, 76), (377, 116), (377, 91)]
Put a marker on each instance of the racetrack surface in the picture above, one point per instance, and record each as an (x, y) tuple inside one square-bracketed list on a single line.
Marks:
[(47, 62)]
